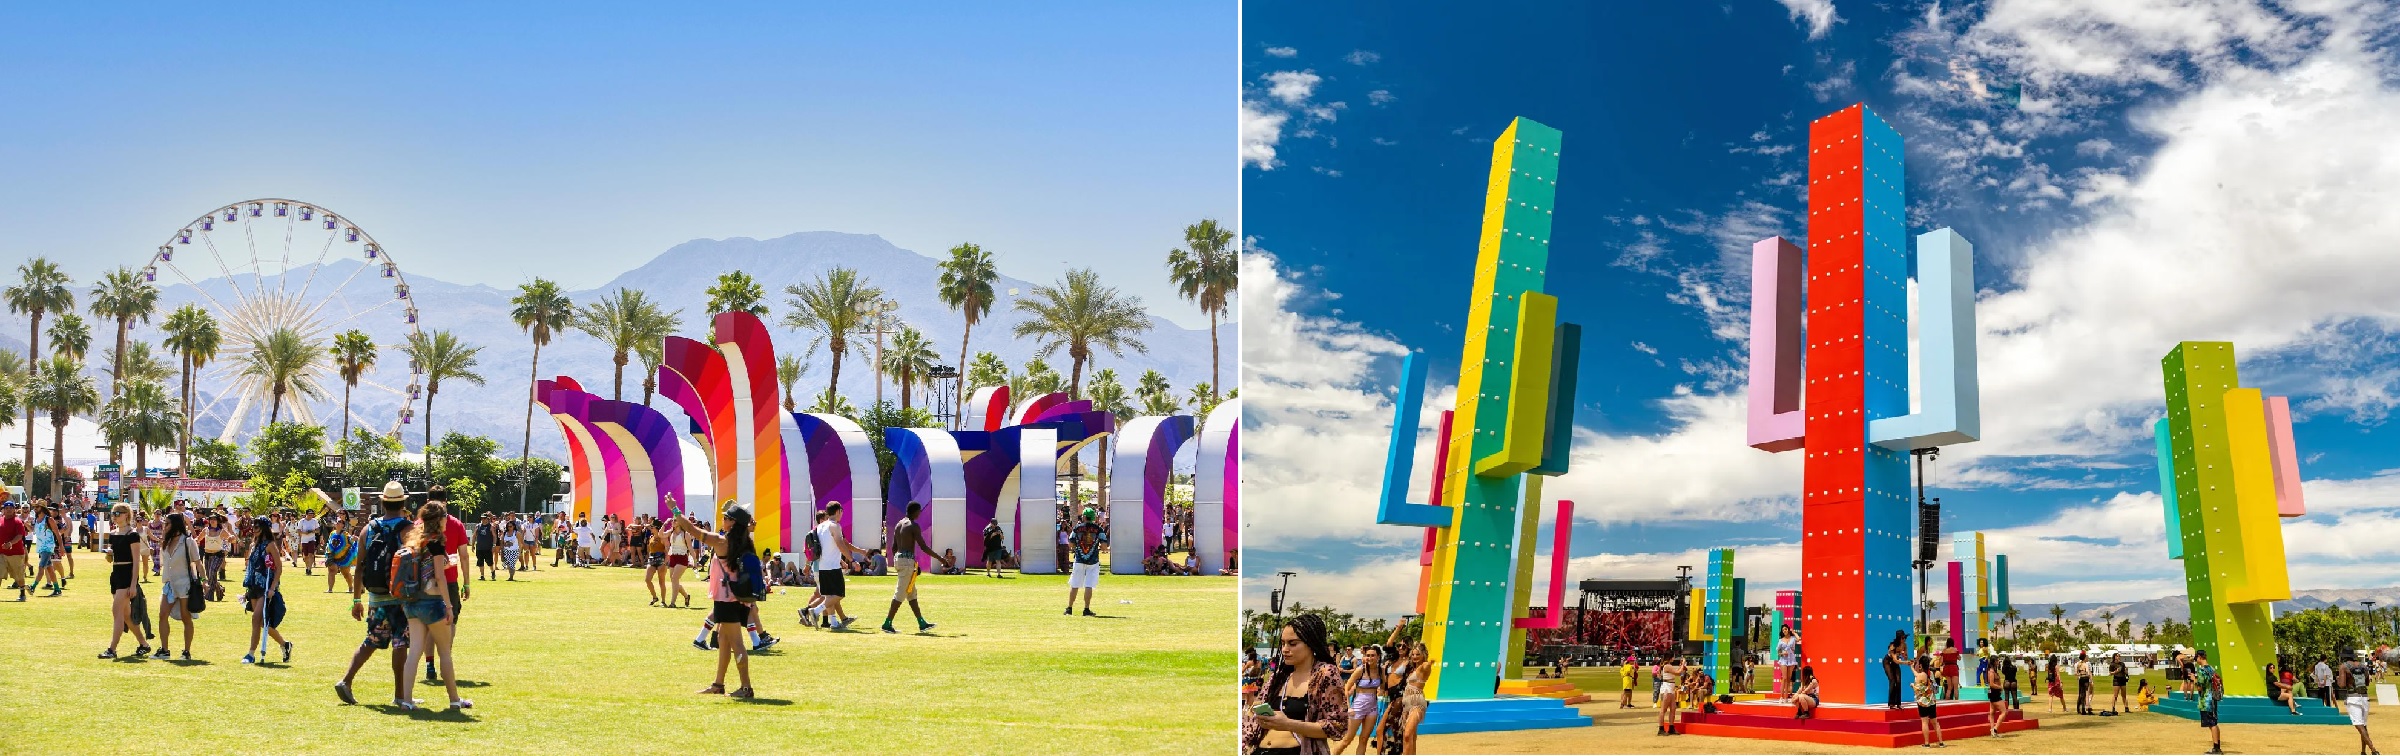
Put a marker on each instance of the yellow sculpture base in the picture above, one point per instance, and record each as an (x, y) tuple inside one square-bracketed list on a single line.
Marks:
[(1560, 689)]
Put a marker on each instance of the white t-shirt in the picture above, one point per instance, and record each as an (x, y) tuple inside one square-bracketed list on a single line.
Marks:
[(583, 535), (830, 555), (307, 530), (679, 544)]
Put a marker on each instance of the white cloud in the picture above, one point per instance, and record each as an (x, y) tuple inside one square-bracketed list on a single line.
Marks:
[(1380, 97), (1817, 14), (1362, 57), (1382, 142), (1261, 129), (1334, 173), (1282, 52), (1292, 88)]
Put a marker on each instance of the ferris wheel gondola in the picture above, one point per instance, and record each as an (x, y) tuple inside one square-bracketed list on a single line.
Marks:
[(245, 282)]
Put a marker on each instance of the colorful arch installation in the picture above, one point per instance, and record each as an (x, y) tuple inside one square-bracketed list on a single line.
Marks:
[(1011, 471), (1217, 486), (693, 376), (580, 459), (611, 482), (987, 410), (928, 469), (653, 459), (1035, 407), (841, 467), (756, 434), (1148, 444)]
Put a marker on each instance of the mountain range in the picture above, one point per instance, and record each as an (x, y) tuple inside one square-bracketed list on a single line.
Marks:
[(2176, 607), (678, 278)]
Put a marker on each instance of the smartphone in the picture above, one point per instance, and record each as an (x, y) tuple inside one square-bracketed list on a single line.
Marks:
[(1262, 709)]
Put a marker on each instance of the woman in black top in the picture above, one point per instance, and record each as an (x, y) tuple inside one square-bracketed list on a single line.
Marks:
[(124, 551), (2117, 674), (1894, 655)]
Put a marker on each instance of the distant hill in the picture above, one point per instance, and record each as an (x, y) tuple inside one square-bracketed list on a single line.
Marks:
[(679, 277), (2177, 608)]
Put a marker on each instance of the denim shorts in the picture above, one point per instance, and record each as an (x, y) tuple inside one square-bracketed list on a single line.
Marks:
[(428, 611)]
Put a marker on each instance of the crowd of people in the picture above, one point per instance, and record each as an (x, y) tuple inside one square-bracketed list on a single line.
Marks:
[(410, 565)]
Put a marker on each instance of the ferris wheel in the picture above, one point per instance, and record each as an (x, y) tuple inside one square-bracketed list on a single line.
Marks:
[(263, 265)]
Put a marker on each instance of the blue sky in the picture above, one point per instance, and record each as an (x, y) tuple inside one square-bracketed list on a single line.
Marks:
[(2131, 174), (490, 142)]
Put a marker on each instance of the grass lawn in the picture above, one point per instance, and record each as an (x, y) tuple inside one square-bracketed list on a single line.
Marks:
[(572, 661), (1631, 730)]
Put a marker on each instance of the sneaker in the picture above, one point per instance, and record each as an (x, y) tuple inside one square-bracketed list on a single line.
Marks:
[(765, 643), (807, 621), (108, 654), (1087, 611), (342, 690), (249, 659), (461, 704), (924, 627), (187, 654), (1070, 611), (287, 652), (887, 627), (162, 654), (696, 643)]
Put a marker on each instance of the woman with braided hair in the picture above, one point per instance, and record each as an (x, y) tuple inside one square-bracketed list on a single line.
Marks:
[(1301, 713)]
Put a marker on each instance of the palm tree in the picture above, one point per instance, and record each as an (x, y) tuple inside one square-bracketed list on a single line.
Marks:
[(136, 363), (192, 334), (1164, 403), (70, 337), (835, 307), (144, 416), (539, 309), (911, 355), (353, 356), (787, 372), (1080, 314), (284, 361), (1152, 382), (625, 321), (2057, 613), (1038, 379), (2013, 616), (1107, 396), (1207, 272), (1204, 398), (987, 370), (41, 289), (60, 387), (125, 296), (441, 355), (966, 286), (737, 292), (651, 354)]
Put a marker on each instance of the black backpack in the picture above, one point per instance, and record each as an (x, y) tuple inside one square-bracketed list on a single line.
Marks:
[(375, 558)]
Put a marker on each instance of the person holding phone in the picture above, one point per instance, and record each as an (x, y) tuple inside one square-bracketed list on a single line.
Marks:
[(727, 610), (1304, 709), (124, 551)]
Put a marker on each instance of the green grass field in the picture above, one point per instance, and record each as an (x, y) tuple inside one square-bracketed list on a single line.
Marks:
[(572, 661)]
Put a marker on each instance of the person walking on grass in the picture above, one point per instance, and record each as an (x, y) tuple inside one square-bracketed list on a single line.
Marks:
[(832, 544), (422, 572), (339, 548), (262, 591), (907, 538), (1084, 543), (370, 596), (679, 558), (726, 609), (2353, 679), (180, 571), (13, 533), (511, 545), (48, 538), (2083, 683), (487, 548), (2210, 690), (653, 547)]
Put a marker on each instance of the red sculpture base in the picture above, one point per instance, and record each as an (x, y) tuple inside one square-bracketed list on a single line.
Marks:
[(1850, 724)]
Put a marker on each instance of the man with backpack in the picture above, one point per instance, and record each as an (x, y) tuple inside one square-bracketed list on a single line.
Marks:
[(2353, 679), (832, 545), (387, 627), (2211, 691)]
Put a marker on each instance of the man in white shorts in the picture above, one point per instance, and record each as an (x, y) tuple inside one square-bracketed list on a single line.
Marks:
[(1084, 543), (2354, 679)]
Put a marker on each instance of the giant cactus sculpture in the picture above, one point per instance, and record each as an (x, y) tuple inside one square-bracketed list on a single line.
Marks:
[(1854, 421), (1510, 429)]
